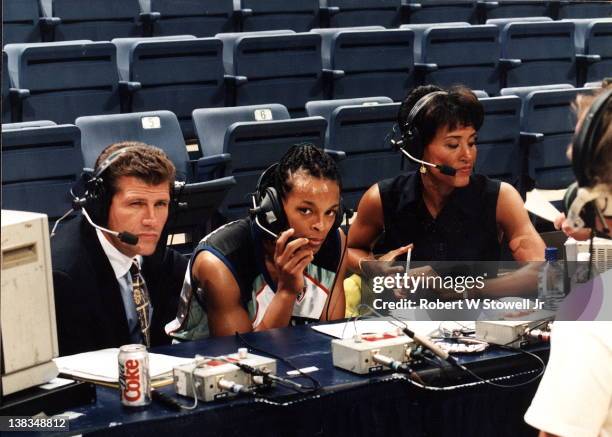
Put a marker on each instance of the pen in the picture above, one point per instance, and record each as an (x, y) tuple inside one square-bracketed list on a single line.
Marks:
[(408, 255)]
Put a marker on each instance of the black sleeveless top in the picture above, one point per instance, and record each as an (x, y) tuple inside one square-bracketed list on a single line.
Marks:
[(465, 229)]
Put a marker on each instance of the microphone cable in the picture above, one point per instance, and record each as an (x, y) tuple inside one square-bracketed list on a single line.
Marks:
[(316, 385)]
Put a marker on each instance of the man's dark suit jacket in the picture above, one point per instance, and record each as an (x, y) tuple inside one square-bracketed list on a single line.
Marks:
[(88, 305)]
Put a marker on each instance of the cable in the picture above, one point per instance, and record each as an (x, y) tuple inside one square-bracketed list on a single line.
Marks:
[(57, 222), (331, 292), (450, 359), (316, 384), (591, 252)]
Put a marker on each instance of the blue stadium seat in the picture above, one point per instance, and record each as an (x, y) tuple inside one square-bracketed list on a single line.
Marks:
[(547, 128), (297, 15), (27, 125), (178, 73), (499, 152), (325, 108), (97, 20), (501, 22), (514, 9), (480, 93), (369, 61), (161, 129), (157, 128), (584, 9), (255, 136), (201, 18), (275, 66), (360, 128), (441, 11), (39, 166), (21, 21), (593, 38), (538, 53), (64, 80), (457, 53), (351, 13), (6, 100)]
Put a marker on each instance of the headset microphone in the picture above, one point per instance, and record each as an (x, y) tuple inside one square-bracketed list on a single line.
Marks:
[(444, 169), (412, 137), (125, 237), (95, 193)]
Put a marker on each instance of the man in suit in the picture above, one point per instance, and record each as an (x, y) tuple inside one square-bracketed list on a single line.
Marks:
[(110, 291)]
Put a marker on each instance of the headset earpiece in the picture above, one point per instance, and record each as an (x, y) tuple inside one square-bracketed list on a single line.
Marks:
[(583, 147), (412, 140), (96, 198)]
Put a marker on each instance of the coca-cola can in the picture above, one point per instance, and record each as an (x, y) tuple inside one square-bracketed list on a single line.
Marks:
[(134, 377)]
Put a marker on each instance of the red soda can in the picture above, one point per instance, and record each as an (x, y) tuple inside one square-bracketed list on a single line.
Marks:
[(134, 377)]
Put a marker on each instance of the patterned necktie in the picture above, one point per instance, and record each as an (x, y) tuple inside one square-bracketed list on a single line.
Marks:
[(142, 303)]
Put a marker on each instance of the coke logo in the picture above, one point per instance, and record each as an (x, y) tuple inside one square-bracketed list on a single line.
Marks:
[(131, 391)]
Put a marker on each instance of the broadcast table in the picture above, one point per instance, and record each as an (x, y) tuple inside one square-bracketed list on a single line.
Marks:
[(384, 404)]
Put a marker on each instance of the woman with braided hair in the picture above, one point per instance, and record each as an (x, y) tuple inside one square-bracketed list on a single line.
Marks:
[(281, 265)]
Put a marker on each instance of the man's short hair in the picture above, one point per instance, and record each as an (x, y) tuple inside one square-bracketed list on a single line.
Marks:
[(142, 161)]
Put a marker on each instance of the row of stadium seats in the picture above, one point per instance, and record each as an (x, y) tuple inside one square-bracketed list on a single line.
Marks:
[(101, 20), (65, 80), (523, 141)]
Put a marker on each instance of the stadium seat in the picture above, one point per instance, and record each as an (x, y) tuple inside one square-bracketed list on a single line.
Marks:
[(276, 66), (157, 128), (538, 53), (593, 38), (27, 125), (351, 13), (6, 100), (441, 11), (201, 18), (178, 73), (514, 9), (297, 15), (368, 61), (97, 20), (64, 80), (161, 129), (501, 22), (547, 128), (584, 9), (499, 152), (21, 21), (457, 53), (40, 164), (255, 137), (360, 128)]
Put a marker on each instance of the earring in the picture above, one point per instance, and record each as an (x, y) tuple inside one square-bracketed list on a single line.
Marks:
[(423, 169)]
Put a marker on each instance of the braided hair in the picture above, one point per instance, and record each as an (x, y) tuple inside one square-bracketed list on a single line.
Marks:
[(302, 157)]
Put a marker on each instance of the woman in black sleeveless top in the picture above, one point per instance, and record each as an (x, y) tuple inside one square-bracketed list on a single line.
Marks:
[(441, 216)]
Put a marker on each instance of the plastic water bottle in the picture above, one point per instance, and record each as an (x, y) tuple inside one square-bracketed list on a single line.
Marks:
[(550, 281)]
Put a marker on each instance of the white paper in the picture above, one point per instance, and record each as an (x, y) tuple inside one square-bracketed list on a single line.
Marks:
[(102, 365), (350, 328), (538, 204)]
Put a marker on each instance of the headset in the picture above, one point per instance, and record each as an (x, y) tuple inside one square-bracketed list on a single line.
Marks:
[(584, 199), (95, 201), (411, 137), (268, 212), (269, 215)]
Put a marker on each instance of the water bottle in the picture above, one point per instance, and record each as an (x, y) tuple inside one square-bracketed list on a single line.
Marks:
[(550, 281)]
